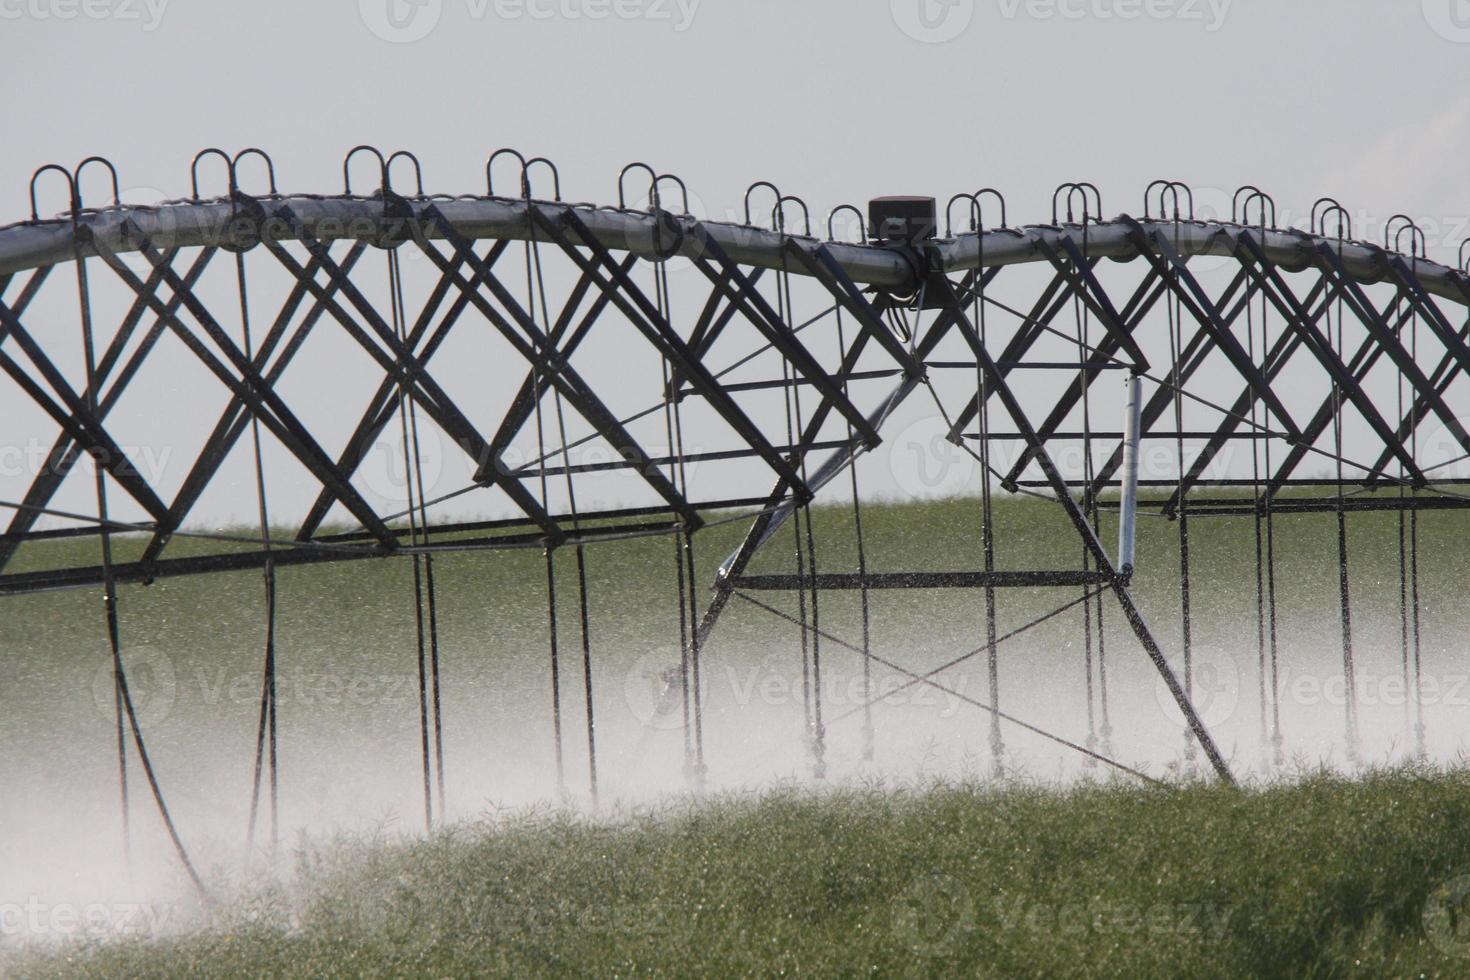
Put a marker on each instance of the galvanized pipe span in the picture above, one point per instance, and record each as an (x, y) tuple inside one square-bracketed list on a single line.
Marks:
[(29, 245)]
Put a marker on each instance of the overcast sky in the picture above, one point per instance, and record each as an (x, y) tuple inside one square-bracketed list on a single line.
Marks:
[(834, 100), (1363, 99)]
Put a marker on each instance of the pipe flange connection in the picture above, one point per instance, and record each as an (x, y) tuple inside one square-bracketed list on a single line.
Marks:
[(242, 231), (668, 235)]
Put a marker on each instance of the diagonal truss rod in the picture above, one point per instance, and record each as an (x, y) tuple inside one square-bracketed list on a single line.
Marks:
[(65, 451)]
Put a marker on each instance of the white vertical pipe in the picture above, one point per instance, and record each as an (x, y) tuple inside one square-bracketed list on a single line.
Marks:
[(1128, 511)]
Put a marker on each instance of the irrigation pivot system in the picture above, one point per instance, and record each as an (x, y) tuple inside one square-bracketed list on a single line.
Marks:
[(756, 361)]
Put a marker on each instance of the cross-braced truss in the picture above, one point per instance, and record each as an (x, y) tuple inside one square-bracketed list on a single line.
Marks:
[(537, 347)]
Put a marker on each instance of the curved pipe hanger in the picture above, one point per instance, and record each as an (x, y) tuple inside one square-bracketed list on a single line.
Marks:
[(525, 174), (347, 161), (505, 151), (655, 182), (1416, 236), (74, 185), (656, 197), (1171, 188), (862, 223), (975, 220), (194, 171), (1329, 207), (73, 199), (270, 167), (752, 189), (1074, 188), (232, 169), (240, 239), (77, 177), (555, 177), (418, 171), (1001, 200), (778, 214), (1261, 199), (977, 211), (385, 169), (623, 174)]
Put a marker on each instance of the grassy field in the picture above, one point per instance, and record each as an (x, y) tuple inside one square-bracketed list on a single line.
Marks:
[(1321, 878), (908, 865)]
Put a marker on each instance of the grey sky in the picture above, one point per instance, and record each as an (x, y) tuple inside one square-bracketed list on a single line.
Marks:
[(1362, 99), (835, 101)]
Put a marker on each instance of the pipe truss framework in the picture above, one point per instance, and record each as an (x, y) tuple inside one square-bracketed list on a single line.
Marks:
[(1297, 340)]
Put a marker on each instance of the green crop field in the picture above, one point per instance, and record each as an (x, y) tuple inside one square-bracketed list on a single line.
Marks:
[(1322, 878), (916, 863)]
